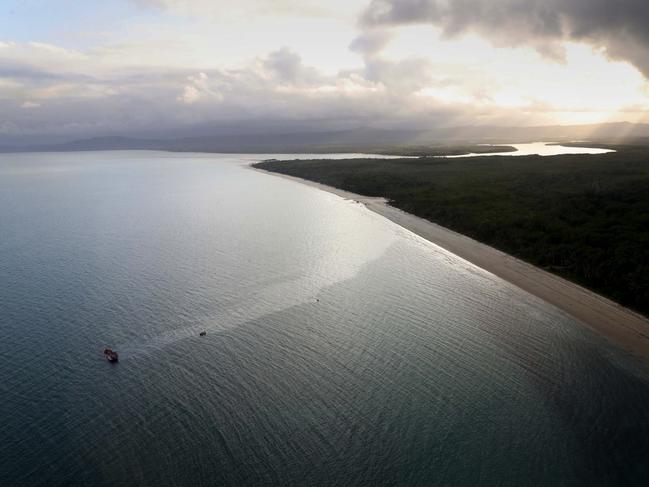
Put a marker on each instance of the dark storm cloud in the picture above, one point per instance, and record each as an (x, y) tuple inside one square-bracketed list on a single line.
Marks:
[(619, 27)]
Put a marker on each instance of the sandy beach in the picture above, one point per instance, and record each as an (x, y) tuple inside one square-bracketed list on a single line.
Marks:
[(621, 326)]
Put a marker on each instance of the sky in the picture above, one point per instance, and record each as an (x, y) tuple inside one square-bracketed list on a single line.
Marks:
[(151, 67)]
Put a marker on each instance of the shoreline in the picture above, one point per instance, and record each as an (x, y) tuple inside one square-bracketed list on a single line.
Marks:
[(621, 326)]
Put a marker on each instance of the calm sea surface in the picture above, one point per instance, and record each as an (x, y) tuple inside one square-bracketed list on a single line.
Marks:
[(340, 348)]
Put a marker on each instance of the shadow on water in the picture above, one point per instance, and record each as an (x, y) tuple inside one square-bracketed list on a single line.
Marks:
[(601, 407)]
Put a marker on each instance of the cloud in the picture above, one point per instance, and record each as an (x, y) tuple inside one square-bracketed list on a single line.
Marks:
[(275, 90), (371, 42), (617, 28), (199, 87), (402, 77), (52, 91), (285, 67)]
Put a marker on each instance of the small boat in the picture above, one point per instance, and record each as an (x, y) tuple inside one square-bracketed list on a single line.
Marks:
[(203, 333), (110, 355)]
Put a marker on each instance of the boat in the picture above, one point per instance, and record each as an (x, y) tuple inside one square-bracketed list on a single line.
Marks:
[(203, 333), (111, 355)]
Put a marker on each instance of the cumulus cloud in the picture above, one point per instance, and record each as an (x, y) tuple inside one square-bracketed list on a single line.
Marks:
[(198, 87), (371, 42), (286, 67), (119, 89), (279, 89), (618, 28), (404, 76)]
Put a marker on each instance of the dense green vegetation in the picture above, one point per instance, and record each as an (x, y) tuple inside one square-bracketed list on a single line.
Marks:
[(583, 217)]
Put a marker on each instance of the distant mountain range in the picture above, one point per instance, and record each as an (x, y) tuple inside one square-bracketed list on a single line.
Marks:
[(357, 140)]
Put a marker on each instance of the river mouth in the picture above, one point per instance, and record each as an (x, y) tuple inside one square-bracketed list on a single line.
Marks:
[(538, 149)]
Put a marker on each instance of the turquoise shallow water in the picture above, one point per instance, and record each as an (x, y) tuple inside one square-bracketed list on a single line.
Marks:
[(340, 348)]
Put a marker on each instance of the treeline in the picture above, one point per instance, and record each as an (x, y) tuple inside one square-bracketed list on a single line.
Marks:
[(584, 217)]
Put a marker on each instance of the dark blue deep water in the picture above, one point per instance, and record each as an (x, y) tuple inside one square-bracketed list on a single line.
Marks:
[(340, 348)]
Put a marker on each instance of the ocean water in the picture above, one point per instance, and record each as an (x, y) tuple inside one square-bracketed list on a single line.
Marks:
[(340, 350)]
